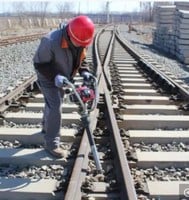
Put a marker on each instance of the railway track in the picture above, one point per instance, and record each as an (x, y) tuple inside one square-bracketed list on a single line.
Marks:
[(140, 128), (20, 39), (156, 125)]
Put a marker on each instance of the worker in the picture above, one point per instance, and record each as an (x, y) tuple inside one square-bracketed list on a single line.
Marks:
[(60, 54)]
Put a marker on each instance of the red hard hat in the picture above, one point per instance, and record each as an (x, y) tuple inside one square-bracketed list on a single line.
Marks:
[(81, 30)]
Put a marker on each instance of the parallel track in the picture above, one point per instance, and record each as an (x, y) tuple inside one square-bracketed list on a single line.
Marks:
[(20, 39)]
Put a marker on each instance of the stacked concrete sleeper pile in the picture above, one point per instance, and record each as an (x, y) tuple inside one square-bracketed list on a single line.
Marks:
[(172, 30)]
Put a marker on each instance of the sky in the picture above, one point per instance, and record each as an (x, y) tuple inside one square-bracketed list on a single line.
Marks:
[(87, 5), (114, 5), (82, 5)]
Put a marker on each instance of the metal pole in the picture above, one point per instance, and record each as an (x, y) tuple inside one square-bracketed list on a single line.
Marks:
[(86, 124)]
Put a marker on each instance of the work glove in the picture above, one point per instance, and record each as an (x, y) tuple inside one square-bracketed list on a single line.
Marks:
[(86, 75), (60, 81), (87, 78)]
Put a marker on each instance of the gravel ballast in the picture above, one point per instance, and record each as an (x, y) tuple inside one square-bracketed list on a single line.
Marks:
[(16, 65)]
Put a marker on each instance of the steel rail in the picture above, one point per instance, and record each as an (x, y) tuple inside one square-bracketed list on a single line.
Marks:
[(80, 167), (106, 61), (79, 170), (124, 174)]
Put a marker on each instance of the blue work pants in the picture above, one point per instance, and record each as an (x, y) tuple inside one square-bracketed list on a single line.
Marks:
[(53, 97)]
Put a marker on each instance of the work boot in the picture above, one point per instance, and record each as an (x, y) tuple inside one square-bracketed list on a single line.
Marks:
[(56, 151)]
